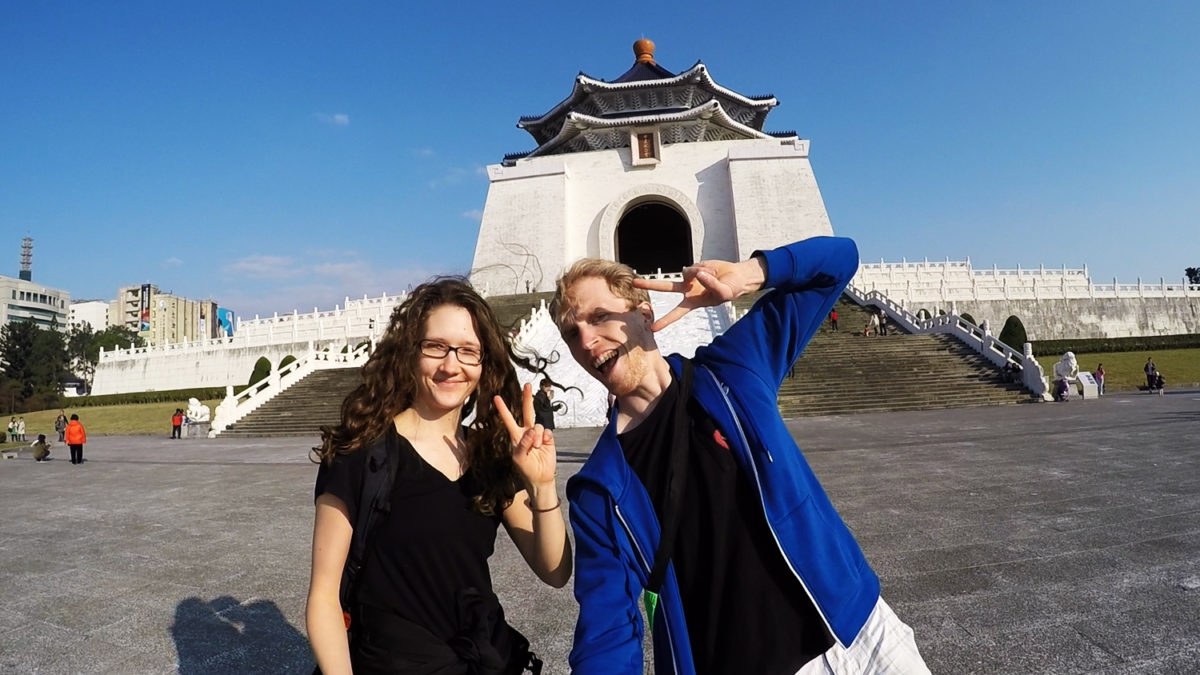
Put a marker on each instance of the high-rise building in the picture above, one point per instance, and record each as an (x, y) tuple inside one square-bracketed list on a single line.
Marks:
[(26, 301), (163, 318)]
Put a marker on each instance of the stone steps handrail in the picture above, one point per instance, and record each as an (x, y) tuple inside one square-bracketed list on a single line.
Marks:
[(978, 339), (236, 406)]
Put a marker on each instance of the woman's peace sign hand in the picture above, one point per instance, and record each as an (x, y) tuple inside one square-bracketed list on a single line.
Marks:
[(533, 445)]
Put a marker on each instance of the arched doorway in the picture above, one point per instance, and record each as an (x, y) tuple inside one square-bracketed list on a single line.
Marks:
[(654, 236)]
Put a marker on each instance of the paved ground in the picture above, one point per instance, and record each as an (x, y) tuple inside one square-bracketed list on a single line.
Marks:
[(1055, 538)]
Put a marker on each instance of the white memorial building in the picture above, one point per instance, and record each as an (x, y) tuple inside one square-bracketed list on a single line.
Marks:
[(654, 169)]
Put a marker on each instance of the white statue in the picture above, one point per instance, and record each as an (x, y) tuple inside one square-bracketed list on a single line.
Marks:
[(1064, 374), (197, 411)]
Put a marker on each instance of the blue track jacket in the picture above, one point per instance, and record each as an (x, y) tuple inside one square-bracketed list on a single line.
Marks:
[(736, 380)]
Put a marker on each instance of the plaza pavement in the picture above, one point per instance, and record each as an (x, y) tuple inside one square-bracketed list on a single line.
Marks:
[(1048, 538)]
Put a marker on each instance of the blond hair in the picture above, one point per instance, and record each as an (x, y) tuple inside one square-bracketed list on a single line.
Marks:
[(618, 276)]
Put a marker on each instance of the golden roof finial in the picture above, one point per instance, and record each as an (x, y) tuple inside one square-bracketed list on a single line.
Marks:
[(643, 51)]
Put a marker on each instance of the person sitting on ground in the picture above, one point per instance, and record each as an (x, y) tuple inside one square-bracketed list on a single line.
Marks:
[(1011, 372), (41, 449)]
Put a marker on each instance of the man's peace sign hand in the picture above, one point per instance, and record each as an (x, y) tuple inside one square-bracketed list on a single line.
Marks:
[(705, 284)]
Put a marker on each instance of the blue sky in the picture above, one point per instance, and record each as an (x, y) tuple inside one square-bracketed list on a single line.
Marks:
[(273, 155)]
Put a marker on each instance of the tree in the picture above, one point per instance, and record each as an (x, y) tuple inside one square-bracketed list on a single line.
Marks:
[(1193, 275), (1013, 333), (35, 364)]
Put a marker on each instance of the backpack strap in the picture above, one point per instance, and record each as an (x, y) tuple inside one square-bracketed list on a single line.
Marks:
[(676, 480), (375, 501)]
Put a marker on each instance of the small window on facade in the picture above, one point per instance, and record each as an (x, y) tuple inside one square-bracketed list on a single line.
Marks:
[(645, 143)]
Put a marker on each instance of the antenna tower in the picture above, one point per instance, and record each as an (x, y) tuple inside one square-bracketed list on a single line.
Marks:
[(26, 259)]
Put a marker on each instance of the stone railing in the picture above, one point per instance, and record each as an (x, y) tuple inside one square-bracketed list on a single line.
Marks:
[(947, 282), (236, 406), (978, 339), (360, 320)]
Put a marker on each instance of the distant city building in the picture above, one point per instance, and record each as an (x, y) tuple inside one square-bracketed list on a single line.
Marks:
[(92, 312), (27, 301), (163, 318)]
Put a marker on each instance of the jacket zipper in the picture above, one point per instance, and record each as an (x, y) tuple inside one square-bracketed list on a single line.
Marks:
[(758, 484), (646, 568)]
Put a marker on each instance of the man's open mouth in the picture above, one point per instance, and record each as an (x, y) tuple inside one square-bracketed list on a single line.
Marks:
[(605, 362)]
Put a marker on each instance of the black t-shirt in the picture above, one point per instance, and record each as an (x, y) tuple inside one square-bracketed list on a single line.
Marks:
[(746, 611), (430, 547)]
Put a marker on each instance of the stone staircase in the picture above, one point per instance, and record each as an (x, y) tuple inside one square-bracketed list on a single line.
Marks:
[(845, 372), (302, 408), (838, 373)]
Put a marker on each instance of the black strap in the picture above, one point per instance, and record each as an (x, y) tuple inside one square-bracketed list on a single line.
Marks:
[(375, 500), (676, 480)]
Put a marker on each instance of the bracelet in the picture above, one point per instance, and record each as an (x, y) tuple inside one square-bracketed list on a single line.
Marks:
[(557, 504)]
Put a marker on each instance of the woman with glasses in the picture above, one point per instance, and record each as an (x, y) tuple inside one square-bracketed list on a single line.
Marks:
[(423, 601)]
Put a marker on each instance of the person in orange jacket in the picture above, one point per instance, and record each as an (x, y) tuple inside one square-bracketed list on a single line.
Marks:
[(75, 439)]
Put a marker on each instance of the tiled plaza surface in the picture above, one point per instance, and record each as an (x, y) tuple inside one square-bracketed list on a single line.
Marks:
[(1050, 538)]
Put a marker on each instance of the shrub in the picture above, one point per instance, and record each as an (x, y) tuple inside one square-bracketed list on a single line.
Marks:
[(1149, 343), (969, 318), (175, 395), (1013, 333)]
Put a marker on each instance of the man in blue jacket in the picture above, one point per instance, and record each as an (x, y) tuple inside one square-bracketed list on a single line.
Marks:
[(697, 492)]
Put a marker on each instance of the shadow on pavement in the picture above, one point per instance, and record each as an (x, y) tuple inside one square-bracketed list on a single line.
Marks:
[(226, 636)]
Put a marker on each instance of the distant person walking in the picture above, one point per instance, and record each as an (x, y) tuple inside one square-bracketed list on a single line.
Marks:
[(543, 404), (60, 424), (872, 325), (833, 319), (1159, 383), (12, 430), (1151, 370), (75, 438), (1099, 375), (21, 429), (177, 424), (882, 322), (41, 449)]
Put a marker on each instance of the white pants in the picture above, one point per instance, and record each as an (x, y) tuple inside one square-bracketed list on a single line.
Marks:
[(884, 646)]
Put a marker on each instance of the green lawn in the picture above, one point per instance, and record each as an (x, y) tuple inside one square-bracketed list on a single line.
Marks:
[(143, 419), (1123, 370)]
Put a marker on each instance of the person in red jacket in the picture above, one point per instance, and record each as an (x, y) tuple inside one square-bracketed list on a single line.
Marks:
[(177, 424), (75, 439)]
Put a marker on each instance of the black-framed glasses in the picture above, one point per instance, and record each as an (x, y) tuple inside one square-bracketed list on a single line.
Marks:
[(468, 356)]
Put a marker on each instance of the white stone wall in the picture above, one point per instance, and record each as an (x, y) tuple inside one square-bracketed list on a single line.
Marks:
[(546, 212), (187, 366), (775, 196)]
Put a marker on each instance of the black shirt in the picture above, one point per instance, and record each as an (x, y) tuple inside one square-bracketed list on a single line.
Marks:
[(746, 612), (430, 547)]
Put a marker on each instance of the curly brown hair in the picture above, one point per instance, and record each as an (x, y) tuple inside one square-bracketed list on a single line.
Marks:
[(390, 384)]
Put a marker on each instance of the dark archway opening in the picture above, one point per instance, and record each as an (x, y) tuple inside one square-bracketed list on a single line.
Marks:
[(654, 236)]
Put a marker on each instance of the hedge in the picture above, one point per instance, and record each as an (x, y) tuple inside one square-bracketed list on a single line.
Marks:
[(1109, 345), (181, 395)]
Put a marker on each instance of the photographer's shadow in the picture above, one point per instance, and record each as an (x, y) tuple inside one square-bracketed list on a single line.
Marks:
[(225, 636)]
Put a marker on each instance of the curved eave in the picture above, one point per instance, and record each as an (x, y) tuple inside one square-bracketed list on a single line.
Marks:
[(585, 86), (577, 123)]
